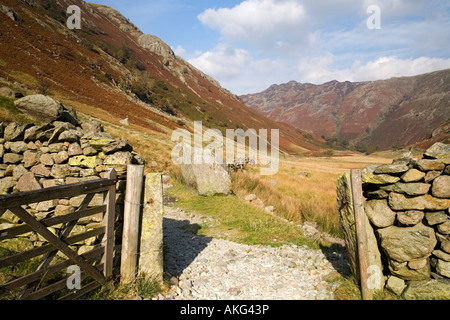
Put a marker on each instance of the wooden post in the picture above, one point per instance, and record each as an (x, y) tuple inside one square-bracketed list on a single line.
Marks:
[(108, 222), (151, 245), (132, 210), (361, 235)]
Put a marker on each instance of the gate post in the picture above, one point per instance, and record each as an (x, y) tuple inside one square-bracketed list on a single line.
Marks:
[(132, 210), (151, 242)]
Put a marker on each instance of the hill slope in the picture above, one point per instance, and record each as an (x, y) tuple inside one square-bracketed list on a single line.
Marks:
[(109, 67), (385, 113)]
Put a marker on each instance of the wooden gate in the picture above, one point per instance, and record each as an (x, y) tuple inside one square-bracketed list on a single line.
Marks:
[(96, 264)]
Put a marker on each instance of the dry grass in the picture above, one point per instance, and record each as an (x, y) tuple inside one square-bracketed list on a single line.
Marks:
[(301, 198)]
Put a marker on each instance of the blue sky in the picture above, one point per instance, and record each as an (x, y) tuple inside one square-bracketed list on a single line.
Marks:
[(247, 45)]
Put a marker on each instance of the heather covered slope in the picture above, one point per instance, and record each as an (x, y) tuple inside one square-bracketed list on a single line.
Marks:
[(110, 67)]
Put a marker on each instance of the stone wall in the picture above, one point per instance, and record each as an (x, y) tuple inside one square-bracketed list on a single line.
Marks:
[(407, 204), (57, 153)]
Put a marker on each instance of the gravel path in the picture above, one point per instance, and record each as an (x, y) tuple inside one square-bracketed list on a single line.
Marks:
[(204, 268)]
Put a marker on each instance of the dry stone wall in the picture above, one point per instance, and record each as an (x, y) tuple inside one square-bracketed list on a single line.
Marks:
[(407, 204), (57, 153)]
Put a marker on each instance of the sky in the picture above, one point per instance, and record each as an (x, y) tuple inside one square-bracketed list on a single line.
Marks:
[(248, 45)]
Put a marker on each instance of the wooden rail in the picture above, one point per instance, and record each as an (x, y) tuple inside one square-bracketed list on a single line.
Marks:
[(99, 271)]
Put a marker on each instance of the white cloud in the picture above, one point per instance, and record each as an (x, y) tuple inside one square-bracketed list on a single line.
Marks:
[(223, 61), (319, 69), (179, 51), (237, 70), (261, 22)]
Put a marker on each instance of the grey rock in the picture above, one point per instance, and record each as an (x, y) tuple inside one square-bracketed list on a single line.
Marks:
[(15, 131), (28, 182), (407, 243), (206, 179), (6, 185), (379, 213), (410, 218), (16, 147), (413, 175), (40, 107), (396, 285), (70, 136), (119, 145), (391, 168), (429, 289), (441, 187), (436, 217), (12, 158), (412, 189), (443, 268), (430, 164)]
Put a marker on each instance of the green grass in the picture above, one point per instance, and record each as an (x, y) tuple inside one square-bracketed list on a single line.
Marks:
[(9, 112), (142, 287), (239, 221)]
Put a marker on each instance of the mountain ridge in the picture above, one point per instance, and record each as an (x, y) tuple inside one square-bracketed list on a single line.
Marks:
[(379, 114)]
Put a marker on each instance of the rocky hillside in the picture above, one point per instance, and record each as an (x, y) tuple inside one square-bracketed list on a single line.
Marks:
[(110, 69), (377, 114)]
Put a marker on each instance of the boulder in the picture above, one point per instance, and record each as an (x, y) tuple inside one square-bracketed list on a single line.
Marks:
[(379, 178), (431, 175), (427, 290), (16, 147), (15, 131), (430, 164), (410, 218), (91, 127), (407, 243), (435, 217), (60, 171), (444, 228), (444, 242), (40, 107), (70, 136), (412, 189), (439, 151), (406, 273), (413, 175), (441, 187), (379, 213), (12, 158), (207, 179), (391, 168), (83, 161), (396, 285), (28, 182), (6, 185), (119, 145), (74, 149), (119, 161), (399, 202)]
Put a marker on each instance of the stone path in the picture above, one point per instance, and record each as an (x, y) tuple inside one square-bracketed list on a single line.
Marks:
[(204, 268)]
